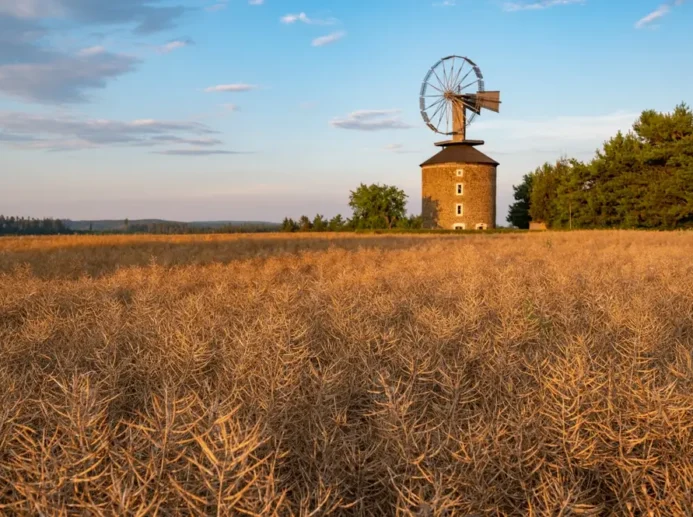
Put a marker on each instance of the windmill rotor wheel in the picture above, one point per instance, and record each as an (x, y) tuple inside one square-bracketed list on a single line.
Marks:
[(451, 86)]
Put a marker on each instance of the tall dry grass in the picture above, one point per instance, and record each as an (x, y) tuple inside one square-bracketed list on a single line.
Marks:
[(545, 374)]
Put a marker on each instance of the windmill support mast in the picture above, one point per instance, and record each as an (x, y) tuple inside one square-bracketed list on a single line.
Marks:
[(459, 122)]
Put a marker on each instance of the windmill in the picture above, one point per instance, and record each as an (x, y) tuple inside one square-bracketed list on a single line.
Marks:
[(458, 183), (453, 94)]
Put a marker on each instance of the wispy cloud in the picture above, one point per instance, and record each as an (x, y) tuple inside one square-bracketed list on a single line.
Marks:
[(61, 78), (371, 120), (197, 142), (329, 39), (236, 87), (445, 3), (195, 152), (567, 129), (398, 149), (33, 70), (91, 51), (173, 45), (304, 18), (220, 6), (256, 2), (147, 15), (660, 12), (22, 138), (538, 5), (62, 132)]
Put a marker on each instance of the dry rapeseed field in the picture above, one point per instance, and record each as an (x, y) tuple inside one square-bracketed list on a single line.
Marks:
[(541, 374)]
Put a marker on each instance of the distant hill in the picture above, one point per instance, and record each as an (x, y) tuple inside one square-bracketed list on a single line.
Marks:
[(119, 225), (221, 224)]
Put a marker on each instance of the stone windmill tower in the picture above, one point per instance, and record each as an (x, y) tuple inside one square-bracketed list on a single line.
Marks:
[(458, 183)]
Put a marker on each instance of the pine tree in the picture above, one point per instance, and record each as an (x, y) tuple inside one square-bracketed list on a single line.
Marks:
[(641, 179), (289, 225), (518, 214), (319, 224), (336, 224), (305, 224)]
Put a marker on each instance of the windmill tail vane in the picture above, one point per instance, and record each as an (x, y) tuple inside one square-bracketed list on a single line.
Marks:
[(488, 100)]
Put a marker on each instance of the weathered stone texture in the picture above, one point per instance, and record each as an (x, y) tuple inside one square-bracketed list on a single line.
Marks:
[(440, 199)]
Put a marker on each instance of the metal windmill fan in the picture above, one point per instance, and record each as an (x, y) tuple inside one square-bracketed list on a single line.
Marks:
[(453, 94)]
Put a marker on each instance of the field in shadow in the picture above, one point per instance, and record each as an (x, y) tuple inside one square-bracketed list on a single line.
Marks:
[(72, 257)]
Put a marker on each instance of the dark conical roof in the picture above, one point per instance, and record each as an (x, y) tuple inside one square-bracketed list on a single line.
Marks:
[(459, 153)]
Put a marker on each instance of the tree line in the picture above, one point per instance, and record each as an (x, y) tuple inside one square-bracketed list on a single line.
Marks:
[(375, 207), (10, 225), (31, 226), (173, 228), (642, 179)]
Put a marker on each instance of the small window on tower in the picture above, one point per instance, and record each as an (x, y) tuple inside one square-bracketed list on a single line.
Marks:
[(460, 209), (460, 189), (460, 172)]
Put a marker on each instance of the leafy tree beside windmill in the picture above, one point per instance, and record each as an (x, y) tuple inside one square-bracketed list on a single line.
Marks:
[(377, 206)]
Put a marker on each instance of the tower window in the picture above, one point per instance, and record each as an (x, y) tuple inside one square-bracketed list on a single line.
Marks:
[(460, 172), (459, 189), (459, 209), (459, 226)]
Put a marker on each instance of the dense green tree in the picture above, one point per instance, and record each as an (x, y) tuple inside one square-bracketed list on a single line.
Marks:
[(336, 224), (289, 225), (641, 179), (305, 224), (377, 206), (543, 195), (518, 214), (571, 206), (658, 129), (413, 222), (557, 194), (319, 223), (665, 168)]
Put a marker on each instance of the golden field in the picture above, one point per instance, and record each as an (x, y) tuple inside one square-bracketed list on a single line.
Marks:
[(519, 374)]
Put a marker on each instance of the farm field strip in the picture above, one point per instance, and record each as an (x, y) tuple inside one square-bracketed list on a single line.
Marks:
[(348, 375)]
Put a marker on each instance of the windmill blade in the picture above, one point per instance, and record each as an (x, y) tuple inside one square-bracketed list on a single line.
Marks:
[(489, 100)]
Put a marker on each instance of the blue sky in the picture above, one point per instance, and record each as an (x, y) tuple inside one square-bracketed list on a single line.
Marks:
[(251, 109)]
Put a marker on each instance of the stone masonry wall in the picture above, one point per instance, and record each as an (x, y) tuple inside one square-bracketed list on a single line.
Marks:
[(440, 196)]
